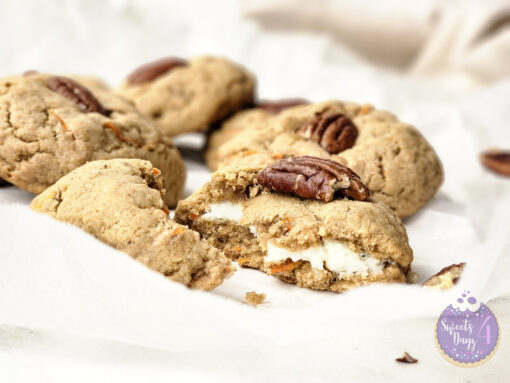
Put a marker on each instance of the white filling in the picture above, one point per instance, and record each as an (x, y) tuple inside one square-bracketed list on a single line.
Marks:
[(224, 210), (336, 256)]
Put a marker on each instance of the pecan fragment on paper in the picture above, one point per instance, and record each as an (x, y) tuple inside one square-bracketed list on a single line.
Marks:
[(313, 178), (153, 70), (275, 107), (406, 358), (76, 92), (497, 161), (334, 132), (446, 278)]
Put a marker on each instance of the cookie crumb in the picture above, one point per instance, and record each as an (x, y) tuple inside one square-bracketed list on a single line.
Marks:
[(406, 358), (254, 299), (412, 277), (446, 278)]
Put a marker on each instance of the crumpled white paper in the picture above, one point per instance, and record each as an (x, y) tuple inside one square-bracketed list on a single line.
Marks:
[(54, 276)]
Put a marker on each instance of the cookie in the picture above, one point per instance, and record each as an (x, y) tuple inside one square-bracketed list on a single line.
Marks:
[(189, 95), (245, 119), (120, 202), (50, 125), (293, 221), (393, 159)]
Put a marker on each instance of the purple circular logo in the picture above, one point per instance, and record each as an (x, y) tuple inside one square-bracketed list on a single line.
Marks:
[(467, 332)]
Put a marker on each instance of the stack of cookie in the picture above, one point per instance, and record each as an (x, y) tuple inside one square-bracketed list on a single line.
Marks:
[(311, 193)]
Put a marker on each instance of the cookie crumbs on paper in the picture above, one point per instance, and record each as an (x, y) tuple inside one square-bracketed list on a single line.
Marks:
[(254, 299)]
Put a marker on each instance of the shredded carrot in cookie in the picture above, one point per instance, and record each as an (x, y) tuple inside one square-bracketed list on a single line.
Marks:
[(194, 216), (115, 130), (165, 209), (367, 108), (59, 119), (243, 261), (287, 224), (288, 265), (277, 156), (178, 231), (238, 248), (155, 171), (248, 153)]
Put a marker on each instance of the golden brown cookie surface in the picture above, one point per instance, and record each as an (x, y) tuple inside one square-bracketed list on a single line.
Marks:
[(50, 125), (250, 119), (192, 96), (120, 203)]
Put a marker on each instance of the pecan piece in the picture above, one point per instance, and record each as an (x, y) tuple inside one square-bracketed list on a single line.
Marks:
[(497, 161), (153, 70), (275, 107), (76, 92), (447, 277), (333, 131), (406, 358), (313, 178)]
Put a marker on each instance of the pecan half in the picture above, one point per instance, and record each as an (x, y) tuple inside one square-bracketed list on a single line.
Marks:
[(153, 70), (275, 107), (333, 131), (497, 161), (313, 178), (76, 92)]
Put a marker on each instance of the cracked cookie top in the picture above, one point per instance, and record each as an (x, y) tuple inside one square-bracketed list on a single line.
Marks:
[(189, 95), (251, 118), (392, 158), (295, 223), (50, 125)]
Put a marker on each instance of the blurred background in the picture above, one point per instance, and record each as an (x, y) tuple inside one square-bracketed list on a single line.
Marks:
[(294, 46)]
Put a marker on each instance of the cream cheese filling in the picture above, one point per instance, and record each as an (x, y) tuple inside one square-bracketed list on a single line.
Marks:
[(333, 255), (225, 210)]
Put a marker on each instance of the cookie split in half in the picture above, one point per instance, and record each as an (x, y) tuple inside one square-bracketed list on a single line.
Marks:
[(184, 96), (262, 222), (51, 125), (392, 158), (120, 202)]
